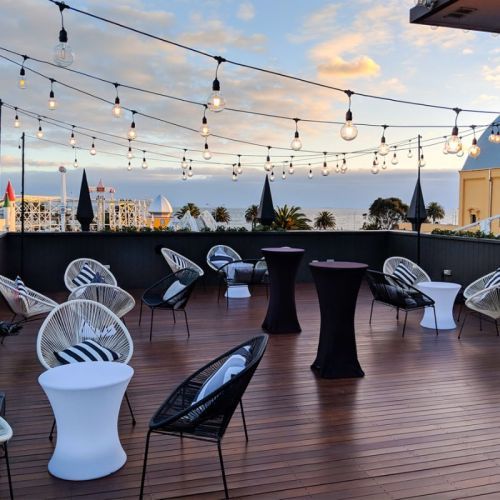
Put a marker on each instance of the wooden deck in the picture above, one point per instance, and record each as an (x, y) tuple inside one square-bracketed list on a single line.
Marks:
[(423, 422)]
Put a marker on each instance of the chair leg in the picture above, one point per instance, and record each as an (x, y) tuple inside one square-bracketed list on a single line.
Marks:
[(186, 320), (130, 408), (222, 469), (151, 324), (218, 292), (480, 324), (144, 465), (496, 326), (435, 319), (51, 435), (459, 311), (244, 421), (463, 324), (173, 314), (397, 313), (140, 314), (9, 478), (404, 324), (371, 312)]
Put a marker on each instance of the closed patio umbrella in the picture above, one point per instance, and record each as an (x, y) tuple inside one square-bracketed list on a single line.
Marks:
[(265, 213), (85, 212)]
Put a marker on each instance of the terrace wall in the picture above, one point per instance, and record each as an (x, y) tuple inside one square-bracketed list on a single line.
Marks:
[(136, 261)]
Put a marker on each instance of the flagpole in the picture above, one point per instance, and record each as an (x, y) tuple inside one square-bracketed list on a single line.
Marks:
[(22, 204)]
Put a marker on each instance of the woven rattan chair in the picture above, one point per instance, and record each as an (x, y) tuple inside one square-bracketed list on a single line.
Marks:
[(176, 261), (389, 291), (113, 297), (486, 304), (5, 436), (70, 323), (233, 254), (153, 297), (75, 267), (392, 262), (206, 419), (478, 285), (30, 305)]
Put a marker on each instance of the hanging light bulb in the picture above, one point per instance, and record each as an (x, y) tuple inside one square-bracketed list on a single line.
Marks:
[(52, 99), (129, 168), (144, 162), (296, 143), (343, 168), (130, 154), (394, 160), (132, 133), (117, 109), (492, 135), (454, 144), (184, 176), (17, 123), (204, 130), (234, 176), (190, 171), (206, 152), (474, 150), (410, 152), (422, 161), (75, 163), (384, 165), (268, 166), (271, 177), (72, 139), (216, 102), (290, 166), (22, 76), (337, 168), (497, 137), (374, 167), (383, 148), (283, 174), (348, 132), (39, 133), (461, 152), (63, 54), (375, 159), (310, 174), (239, 168), (184, 163), (325, 170), (93, 150)]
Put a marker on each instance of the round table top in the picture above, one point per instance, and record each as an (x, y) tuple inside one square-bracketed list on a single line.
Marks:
[(283, 250), (338, 265), (86, 375), (438, 285)]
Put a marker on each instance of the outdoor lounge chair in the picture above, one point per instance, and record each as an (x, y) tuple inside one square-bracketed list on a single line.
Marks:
[(5, 436), (486, 304), (75, 267), (219, 255), (176, 261), (391, 263), (203, 405), (388, 290)]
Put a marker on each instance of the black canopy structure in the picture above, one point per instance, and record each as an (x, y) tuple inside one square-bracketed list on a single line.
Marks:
[(265, 214), (85, 212)]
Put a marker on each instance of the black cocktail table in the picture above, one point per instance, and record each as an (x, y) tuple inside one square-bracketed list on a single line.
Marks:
[(282, 264), (337, 284)]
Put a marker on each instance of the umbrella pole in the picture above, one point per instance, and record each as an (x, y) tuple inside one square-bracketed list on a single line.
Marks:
[(419, 223), (22, 204)]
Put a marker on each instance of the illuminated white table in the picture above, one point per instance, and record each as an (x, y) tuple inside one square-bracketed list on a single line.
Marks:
[(443, 294), (86, 399)]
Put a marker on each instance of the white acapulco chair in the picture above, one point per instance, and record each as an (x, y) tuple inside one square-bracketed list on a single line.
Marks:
[(177, 262), (113, 297), (5, 436), (77, 320), (478, 285), (75, 267), (29, 305), (392, 262), (486, 302)]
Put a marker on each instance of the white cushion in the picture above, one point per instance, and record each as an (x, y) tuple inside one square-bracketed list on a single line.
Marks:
[(173, 290), (494, 279), (240, 266)]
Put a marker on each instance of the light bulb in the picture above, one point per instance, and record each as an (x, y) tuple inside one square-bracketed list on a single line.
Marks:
[(291, 169), (283, 175), (296, 143), (234, 177), (474, 150), (492, 137), (383, 148), (130, 155), (343, 168), (271, 178), (129, 168), (375, 161), (190, 171), (239, 169), (184, 176), (268, 166), (75, 163), (52, 101), (184, 163), (93, 150), (216, 102), (410, 154), (454, 144), (144, 162), (422, 160), (206, 153), (17, 123), (394, 160), (22, 78), (374, 168), (39, 133), (325, 171), (132, 134), (117, 109), (497, 137), (348, 132), (72, 139), (337, 168), (384, 165), (63, 55), (204, 130), (310, 174)]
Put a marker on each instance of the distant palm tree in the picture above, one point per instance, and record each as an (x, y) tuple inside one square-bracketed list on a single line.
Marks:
[(435, 211), (290, 218), (192, 207), (221, 214), (251, 215), (325, 220)]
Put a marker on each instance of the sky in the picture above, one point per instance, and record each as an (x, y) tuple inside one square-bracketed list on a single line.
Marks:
[(362, 45)]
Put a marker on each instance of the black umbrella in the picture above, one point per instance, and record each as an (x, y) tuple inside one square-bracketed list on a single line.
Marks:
[(417, 212), (85, 212), (265, 213)]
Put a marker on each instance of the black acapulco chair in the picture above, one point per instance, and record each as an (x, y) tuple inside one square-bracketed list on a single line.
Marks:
[(389, 290), (208, 418), (153, 296)]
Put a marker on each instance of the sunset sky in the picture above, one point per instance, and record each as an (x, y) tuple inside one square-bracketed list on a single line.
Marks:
[(361, 45)]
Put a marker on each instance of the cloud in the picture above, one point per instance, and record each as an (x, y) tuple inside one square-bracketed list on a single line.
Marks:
[(393, 85), (362, 66), (318, 24), (492, 74), (486, 98), (467, 51), (246, 11)]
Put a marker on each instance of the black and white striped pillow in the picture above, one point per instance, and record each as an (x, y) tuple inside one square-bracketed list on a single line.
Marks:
[(494, 279), (88, 350), (404, 274), (21, 287), (85, 276)]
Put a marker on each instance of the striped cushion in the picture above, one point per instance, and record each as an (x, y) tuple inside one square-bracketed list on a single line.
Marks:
[(88, 350), (404, 274), (85, 276), (494, 279), (21, 287)]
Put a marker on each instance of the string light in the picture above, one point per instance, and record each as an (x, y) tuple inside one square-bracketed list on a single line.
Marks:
[(117, 109), (132, 133), (310, 174), (348, 132), (461, 152), (190, 170), (234, 176), (129, 167), (130, 154), (63, 53), (343, 168), (375, 159), (395, 160), (384, 165), (271, 178), (410, 152), (204, 130), (491, 137), (22, 75), (474, 150), (268, 166), (283, 174), (497, 136), (52, 99), (239, 168), (375, 165), (93, 150), (75, 163), (17, 123), (454, 144), (206, 152), (184, 163), (296, 143), (184, 176), (290, 166), (325, 170), (216, 102), (383, 149), (421, 160), (144, 162), (72, 139), (39, 133)]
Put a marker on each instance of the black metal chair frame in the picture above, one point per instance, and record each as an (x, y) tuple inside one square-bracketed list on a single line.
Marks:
[(176, 303), (403, 290), (255, 278), (207, 419), (470, 312), (5, 456)]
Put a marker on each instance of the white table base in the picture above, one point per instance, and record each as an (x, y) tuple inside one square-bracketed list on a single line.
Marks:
[(238, 292), (444, 295)]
